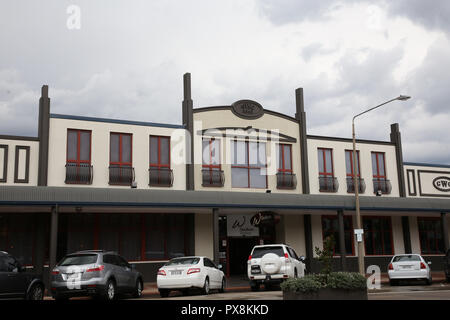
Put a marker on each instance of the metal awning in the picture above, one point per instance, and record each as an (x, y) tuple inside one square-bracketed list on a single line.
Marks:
[(109, 197)]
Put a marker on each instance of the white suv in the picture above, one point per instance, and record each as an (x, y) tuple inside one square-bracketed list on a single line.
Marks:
[(269, 264)]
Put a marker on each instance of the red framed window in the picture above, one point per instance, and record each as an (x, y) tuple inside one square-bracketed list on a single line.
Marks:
[(285, 158), (78, 146), (248, 167), (326, 170), (121, 146), (330, 227), (378, 236), (378, 166), (430, 235), (159, 152), (211, 154), (350, 171)]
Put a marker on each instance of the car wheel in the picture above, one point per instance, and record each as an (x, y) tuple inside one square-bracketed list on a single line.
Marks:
[(295, 273), (222, 288), (206, 286), (138, 289), (110, 292), (429, 281), (393, 283), (36, 292), (254, 287), (164, 293)]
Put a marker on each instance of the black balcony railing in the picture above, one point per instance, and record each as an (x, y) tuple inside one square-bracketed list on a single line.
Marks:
[(286, 180), (382, 185), (351, 185), (328, 184), (121, 175), (82, 173), (160, 177), (212, 178)]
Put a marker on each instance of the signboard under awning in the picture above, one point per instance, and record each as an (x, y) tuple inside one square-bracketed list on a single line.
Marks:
[(239, 225)]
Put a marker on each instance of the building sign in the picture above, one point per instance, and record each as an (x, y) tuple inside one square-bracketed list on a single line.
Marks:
[(434, 183), (442, 183), (247, 109), (241, 226)]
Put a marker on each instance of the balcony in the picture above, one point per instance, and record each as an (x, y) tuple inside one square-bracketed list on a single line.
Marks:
[(82, 173), (286, 180), (121, 175), (382, 185), (328, 184), (160, 177), (351, 186), (212, 178)]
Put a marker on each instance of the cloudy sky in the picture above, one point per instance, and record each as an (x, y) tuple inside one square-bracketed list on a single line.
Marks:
[(125, 59)]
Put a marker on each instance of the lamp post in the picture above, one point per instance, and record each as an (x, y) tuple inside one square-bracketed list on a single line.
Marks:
[(359, 231)]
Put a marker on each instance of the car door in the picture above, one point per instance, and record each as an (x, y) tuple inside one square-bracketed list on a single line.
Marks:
[(213, 273), (14, 280), (5, 284), (124, 273), (296, 261)]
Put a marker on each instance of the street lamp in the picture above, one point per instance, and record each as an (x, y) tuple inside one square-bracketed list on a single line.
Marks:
[(359, 231)]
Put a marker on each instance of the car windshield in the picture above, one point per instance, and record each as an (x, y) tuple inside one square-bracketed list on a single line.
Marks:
[(261, 251), (79, 259), (179, 261), (406, 258)]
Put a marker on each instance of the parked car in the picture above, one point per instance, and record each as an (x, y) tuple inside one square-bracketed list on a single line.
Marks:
[(409, 267), (271, 264), (190, 272), (95, 273), (447, 265), (16, 282)]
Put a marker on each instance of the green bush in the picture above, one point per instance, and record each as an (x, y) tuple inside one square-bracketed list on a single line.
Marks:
[(333, 280)]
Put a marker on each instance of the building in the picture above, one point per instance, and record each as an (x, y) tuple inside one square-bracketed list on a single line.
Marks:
[(228, 178)]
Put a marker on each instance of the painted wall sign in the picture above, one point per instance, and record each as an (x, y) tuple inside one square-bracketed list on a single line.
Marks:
[(241, 226), (247, 109), (442, 183)]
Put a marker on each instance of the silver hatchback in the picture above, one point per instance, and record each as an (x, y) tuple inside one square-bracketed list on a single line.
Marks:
[(95, 273)]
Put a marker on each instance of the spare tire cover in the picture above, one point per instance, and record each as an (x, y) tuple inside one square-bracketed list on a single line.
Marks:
[(270, 263)]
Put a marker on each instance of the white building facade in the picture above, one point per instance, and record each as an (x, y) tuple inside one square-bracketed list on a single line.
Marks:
[(227, 178)]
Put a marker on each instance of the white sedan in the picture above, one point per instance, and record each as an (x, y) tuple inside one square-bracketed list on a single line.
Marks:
[(189, 272), (408, 266)]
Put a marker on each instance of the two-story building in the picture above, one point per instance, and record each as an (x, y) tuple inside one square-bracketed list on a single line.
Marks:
[(227, 178)]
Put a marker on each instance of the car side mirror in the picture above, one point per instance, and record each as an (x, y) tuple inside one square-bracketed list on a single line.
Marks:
[(220, 267), (302, 259)]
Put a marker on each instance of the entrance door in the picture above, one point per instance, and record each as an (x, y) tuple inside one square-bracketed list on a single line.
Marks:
[(239, 250)]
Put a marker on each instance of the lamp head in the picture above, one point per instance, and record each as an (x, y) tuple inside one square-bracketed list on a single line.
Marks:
[(403, 98)]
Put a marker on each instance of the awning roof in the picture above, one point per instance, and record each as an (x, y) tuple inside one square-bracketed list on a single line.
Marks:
[(104, 197)]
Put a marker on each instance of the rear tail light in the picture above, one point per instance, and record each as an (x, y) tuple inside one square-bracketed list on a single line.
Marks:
[(99, 268), (193, 270), (422, 265), (286, 256), (161, 272), (391, 267), (250, 257), (55, 272)]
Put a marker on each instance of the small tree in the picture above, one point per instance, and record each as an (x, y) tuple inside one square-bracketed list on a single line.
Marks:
[(325, 256)]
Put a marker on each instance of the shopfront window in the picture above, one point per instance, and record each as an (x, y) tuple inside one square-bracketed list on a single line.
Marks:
[(430, 234), (378, 236), (330, 227)]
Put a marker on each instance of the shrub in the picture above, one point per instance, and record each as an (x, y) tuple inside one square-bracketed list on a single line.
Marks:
[(333, 280)]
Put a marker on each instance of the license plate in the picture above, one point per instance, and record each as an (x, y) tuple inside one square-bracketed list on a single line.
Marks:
[(406, 267), (73, 276), (175, 272)]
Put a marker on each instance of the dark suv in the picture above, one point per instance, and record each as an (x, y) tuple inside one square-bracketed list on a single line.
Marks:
[(447, 265), (95, 273), (15, 282)]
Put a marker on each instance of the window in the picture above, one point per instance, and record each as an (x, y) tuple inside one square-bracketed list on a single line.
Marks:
[(378, 236), (212, 175), (120, 160), (430, 234), (3, 162), (380, 182), (327, 181), (330, 227), (350, 172), (285, 177), (160, 172), (248, 166), (78, 166)]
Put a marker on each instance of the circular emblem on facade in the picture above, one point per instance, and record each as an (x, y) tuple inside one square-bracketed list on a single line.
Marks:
[(247, 109), (442, 183)]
